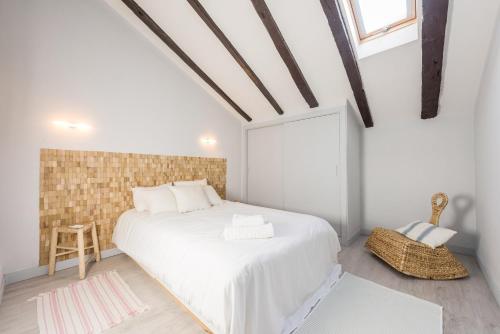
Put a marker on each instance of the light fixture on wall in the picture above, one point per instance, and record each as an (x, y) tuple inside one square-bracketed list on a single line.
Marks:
[(208, 141), (72, 126)]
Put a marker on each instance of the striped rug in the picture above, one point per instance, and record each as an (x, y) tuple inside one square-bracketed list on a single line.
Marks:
[(89, 306)]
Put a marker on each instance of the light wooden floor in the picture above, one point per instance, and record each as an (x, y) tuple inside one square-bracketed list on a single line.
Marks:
[(468, 304)]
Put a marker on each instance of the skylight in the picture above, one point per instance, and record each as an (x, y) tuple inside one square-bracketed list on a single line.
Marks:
[(376, 18)]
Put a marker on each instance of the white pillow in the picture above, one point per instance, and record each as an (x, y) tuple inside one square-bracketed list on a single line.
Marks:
[(160, 199), (138, 195), (142, 197), (190, 198), (191, 183), (212, 195), (429, 234)]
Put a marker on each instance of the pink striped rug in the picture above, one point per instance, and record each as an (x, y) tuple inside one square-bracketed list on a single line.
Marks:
[(89, 306)]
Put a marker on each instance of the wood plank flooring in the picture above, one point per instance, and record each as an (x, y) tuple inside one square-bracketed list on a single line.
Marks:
[(469, 307)]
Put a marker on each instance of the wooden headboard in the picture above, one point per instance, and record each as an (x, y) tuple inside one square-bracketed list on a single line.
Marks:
[(80, 186)]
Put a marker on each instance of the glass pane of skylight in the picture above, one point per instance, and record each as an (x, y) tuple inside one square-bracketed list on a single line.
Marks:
[(379, 14)]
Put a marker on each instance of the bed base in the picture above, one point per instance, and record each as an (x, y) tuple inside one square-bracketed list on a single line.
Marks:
[(204, 327), (177, 301)]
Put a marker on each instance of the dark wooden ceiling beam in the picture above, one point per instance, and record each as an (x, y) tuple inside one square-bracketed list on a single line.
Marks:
[(435, 16), (155, 28), (339, 31), (285, 53), (198, 8)]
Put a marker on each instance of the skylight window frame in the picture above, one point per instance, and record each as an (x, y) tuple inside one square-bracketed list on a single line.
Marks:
[(362, 37)]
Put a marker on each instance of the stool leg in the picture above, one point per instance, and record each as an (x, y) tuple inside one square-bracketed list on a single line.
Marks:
[(81, 253), (95, 243), (53, 249)]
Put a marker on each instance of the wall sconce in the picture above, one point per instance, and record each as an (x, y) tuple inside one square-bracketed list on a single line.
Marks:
[(208, 141), (73, 126)]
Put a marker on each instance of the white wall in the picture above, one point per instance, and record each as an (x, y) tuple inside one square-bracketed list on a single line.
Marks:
[(407, 159), (79, 60), (488, 167)]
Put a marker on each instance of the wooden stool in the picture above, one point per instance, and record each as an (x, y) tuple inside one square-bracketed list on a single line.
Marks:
[(79, 230)]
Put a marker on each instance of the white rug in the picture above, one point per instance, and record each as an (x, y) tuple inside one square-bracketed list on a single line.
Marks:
[(358, 306), (89, 306)]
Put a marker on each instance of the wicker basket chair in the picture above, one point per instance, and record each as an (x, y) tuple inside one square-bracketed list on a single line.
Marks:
[(415, 258)]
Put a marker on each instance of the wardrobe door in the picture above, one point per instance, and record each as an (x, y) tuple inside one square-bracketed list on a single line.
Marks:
[(265, 166), (311, 159)]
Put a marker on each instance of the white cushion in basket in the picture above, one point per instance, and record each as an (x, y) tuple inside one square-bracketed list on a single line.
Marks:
[(429, 234), (190, 198), (191, 183), (212, 195)]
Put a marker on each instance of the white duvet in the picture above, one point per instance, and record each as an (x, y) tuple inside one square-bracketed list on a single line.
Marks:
[(234, 287)]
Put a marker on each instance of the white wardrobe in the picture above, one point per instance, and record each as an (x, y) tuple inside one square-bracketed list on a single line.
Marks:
[(308, 164)]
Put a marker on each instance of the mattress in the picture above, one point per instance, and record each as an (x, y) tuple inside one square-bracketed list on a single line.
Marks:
[(234, 287)]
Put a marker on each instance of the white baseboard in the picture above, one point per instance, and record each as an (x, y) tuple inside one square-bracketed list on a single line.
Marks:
[(25, 274), (453, 248), (492, 283)]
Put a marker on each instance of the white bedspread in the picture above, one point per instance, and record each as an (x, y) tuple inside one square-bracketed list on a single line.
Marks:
[(234, 287)]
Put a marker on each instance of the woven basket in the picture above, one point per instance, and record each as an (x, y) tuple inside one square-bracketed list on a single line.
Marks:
[(415, 258)]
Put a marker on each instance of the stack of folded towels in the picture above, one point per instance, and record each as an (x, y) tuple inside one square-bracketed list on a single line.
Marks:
[(248, 227)]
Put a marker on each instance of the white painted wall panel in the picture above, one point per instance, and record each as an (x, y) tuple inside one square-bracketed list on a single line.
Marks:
[(354, 164), (311, 159), (265, 166), (308, 164), (487, 137)]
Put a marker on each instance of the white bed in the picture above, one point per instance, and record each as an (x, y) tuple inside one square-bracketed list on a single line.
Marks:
[(235, 287)]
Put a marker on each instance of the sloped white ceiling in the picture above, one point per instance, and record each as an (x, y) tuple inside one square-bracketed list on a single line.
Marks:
[(303, 25), (392, 79)]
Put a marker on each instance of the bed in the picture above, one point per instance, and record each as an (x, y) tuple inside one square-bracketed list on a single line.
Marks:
[(235, 287)]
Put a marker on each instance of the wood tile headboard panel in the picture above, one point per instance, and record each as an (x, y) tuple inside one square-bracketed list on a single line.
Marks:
[(80, 186)]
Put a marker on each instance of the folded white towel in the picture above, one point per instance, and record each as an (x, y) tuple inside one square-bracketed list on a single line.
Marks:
[(243, 220), (248, 232)]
